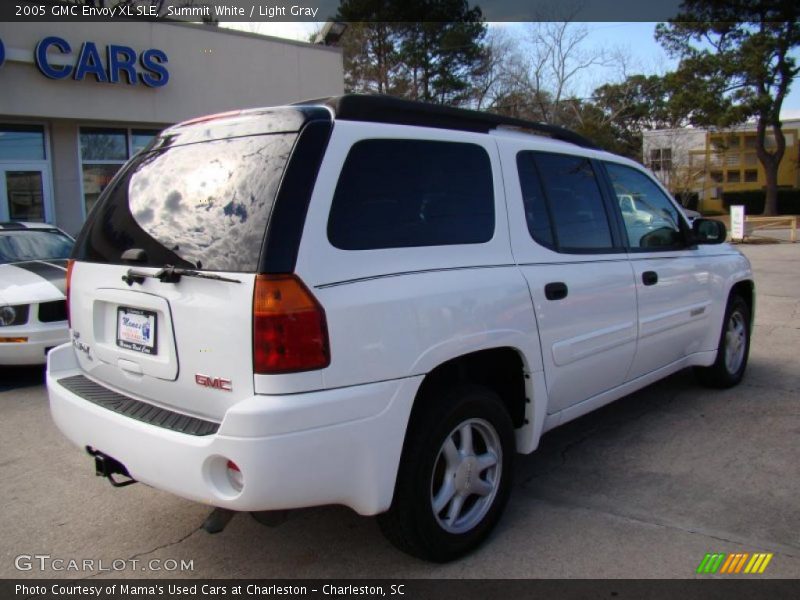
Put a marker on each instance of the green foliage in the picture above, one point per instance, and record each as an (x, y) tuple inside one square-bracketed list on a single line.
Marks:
[(736, 60), (618, 113), (426, 50), (737, 63), (640, 102)]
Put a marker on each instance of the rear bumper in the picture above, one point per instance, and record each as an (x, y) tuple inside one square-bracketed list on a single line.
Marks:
[(40, 337), (337, 446)]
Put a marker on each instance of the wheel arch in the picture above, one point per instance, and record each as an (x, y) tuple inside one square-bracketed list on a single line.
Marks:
[(503, 370), (746, 289)]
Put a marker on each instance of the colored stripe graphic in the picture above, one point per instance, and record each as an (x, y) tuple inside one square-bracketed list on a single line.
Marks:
[(728, 563), (758, 563), (737, 563), (710, 563), (765, 563), (731, 564)]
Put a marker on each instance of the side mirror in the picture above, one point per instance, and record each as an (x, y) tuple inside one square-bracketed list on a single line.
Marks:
[(708, 231)]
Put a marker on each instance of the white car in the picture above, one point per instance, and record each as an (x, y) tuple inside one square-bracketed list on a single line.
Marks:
[(376, 303), (33, 312)]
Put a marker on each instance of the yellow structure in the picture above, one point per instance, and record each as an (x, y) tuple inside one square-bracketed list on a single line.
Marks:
[(729, 163), (711, 163)]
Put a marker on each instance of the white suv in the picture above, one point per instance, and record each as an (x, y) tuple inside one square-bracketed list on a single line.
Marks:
[(377, 303)]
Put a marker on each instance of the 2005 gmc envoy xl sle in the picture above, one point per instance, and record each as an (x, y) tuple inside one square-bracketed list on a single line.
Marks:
[(376, 303)]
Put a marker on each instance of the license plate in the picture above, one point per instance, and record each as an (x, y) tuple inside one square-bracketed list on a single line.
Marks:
[(136, 330)]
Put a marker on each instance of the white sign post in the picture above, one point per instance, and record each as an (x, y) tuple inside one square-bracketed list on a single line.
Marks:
[(737, 222)]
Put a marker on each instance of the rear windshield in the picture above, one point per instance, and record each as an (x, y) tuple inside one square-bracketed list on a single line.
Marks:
[(20, 245), (202, 205)]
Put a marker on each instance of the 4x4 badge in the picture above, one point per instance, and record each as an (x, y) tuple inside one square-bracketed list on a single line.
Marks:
[(80, 346), (218, 383)]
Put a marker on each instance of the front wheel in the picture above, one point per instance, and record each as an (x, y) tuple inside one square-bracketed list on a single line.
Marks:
[(733, 349), (454, 477)]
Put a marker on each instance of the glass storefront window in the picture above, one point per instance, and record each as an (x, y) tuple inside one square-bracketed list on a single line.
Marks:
[(25, 195), (103, 152), (103, 144), (140, 138), (21, 142)]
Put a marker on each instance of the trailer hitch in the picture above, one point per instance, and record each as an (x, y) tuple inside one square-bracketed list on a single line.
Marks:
[(105, 466)]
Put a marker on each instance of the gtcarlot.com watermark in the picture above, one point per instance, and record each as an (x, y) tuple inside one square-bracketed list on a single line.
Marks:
[(48, 563)]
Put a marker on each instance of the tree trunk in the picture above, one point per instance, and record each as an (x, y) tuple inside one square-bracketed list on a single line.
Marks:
[(771, 161), (771, 197)]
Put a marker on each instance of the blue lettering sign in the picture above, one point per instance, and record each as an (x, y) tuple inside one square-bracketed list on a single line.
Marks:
[(89, 62), (153, 60), (40, 54), (151, 69), (121, 59), (2, 53)]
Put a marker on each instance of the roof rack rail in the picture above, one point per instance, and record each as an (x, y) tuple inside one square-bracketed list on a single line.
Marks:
[(387, 109)]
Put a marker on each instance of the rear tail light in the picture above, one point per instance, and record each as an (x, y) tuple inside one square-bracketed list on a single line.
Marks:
[(289, 329), (70, 264)]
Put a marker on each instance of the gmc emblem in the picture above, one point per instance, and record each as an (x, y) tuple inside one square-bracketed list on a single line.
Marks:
[(218, 383)]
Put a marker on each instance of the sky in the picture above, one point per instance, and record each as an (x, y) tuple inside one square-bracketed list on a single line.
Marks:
[(635, 39)]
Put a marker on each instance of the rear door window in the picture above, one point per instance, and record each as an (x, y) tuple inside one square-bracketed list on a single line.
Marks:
[(405, 193), (564, 206)]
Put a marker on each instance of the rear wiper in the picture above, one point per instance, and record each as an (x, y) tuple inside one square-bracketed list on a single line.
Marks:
[(170, 274)]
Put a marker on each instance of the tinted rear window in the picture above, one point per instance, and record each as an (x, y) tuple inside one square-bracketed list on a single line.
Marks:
[(201, 205), (405, 193), (572, 198)]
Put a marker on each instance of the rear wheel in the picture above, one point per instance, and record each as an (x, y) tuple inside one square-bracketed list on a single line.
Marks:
[(455, 475), (733, 349)]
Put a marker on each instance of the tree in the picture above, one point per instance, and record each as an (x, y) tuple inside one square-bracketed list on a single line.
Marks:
[(619, 112), (441, 46), (421, 49), (490, 78), (537, 77), (371, 60), (557, 59), (736, 64)]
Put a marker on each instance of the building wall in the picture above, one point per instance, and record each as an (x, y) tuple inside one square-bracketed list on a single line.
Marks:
[(66, 174), (681, 143), (733, 165), (711, 163), (211, 70)]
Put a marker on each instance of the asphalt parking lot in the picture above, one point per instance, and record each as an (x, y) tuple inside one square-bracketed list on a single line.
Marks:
[(641, 488)]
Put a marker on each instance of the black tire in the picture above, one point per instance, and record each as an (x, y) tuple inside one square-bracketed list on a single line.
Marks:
[(727, 371), (411, 523)]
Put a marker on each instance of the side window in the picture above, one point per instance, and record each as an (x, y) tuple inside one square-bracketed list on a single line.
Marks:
[(536, 213), (565, 187), (651, 220), (404, 193)]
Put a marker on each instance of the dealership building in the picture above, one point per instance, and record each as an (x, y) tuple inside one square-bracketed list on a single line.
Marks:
[(78, 99)]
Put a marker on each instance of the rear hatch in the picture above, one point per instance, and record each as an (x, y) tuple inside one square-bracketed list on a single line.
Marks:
[(161, 292)]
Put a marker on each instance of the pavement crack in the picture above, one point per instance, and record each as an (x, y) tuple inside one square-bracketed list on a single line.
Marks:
[(168, 544), (152, 550)]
